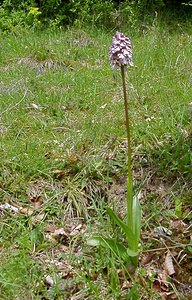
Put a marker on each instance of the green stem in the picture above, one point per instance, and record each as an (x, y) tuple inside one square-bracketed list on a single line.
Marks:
[(129, 197), (129, 179)]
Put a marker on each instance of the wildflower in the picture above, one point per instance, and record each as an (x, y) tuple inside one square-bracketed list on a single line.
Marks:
[(121, 56), (120, 51)]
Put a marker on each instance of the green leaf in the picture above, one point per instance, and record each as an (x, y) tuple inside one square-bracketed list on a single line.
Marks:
[(129, 201), (178, 207), (134, 226), (136, 211), (118, 221), (132, 253), (109, 243), (94, 241), (133, 293)]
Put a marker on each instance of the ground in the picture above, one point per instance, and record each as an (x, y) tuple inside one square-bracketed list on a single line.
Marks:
[(63, 148)]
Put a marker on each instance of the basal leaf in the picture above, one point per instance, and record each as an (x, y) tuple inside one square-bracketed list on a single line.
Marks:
[(118, 221), (132, 253), (136, 211), (109, 243), (94, 241)]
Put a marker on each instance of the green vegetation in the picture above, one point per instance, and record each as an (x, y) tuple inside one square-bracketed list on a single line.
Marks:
[(63, 148), (93, 13)]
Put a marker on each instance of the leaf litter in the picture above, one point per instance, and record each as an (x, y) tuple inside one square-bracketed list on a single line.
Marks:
[(165, 263)]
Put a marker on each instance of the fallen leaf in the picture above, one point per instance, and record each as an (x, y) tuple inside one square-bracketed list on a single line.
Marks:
[(160, 283), (37, 202), (38, 218), (59, 173), (126, 285), (26, 211), (168, 296), (158, 277), (58, 232), (60, 235), (178, 225), (51, 228), (169, 264), (76, 230), (147, 259)]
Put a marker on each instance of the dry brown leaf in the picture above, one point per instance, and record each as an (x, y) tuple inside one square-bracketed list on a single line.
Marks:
[(59, 232), (51, 228), (126, 285), (61, 265), (178, 225), (76, 230), (26, 211), (147, 259), (168, 296), (37, 202), (169, 267), (60, 235), (64, 234), (159, 276), (59, 173), (38, 218), (72, 158), (160, 284)]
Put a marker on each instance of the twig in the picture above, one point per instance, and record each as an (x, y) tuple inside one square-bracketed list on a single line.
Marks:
[(13, 106), (165, 248)]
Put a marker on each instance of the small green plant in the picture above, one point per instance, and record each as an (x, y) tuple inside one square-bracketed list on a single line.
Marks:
[(33, 16), (121, 56)]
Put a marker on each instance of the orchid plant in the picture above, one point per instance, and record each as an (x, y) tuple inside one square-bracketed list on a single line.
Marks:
[(121, 57)]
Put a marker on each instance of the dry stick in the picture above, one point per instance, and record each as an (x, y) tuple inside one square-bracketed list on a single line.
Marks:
[(165, 248)]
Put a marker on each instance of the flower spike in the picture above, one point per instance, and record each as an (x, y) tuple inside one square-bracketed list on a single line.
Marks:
[(120, 51)]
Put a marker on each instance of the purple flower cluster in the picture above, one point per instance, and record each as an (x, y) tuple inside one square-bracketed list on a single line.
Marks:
[(120, 51)]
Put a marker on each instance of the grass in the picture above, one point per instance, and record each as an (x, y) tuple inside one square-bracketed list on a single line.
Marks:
[(62, 137)]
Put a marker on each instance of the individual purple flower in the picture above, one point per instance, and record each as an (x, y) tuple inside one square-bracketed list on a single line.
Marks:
[(120, 51)]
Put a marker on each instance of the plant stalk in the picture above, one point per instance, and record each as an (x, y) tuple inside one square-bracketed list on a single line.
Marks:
[(129, 179)]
